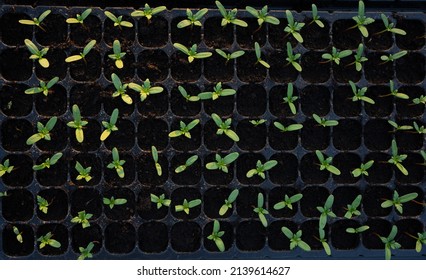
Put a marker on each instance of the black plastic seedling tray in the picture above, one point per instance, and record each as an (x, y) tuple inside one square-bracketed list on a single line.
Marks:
[(138, 230)]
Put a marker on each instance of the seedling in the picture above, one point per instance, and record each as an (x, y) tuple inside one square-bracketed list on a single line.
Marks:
[(359, 94), (256, 123), (397, 159), (292, 58), (326, 211), (3, 194), (36, 21), (361, 20), (83, 54), (394, 92), (325, 163), (192, 52), (48, 162), (399, 127), (116, 163), (222, 163), (187, 205), (82, 218), (229, 16), (110, 126), (295, 239), (362, 170), (291, 127), (335, 56), (258, 56), (216, 236), (324, 122), (315, 17), (262, 16), (190, 161), (290, 99), (46, 240), (43, 87), (293, 27), (43, 204), (390, 242), (228, 202), (229, 56), (392, 57), (155, 158), (77, 123), (111, 202), (422, 153), (146, 89), (80, 18), (148, 12), (420, 240), (261, 168), (118, 21), (351, 209), (192, 19), (217, 92), (18, 234), (117, 55), (420, 100), (187, 97), (83, 173), (184, 129), (358, 229), (390, 27), (5, 168), (419, 129), (359, 58), (43, 131), (225, 127), (86, 253), (37, 54), (160, 200), (323, 241), (261, 212), (398, 201), (288, 201), (120, 89)]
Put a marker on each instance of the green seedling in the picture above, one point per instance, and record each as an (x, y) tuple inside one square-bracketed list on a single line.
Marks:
[(420, 240), (18, 234), (187, 205), (315, 17), (216, 235), (390, 242), (290, 99), (229, 56), (192, 52), (120, 89), (392, 57), (324, 122), (394, 92), (5, 168), (335, 56), (82, 218), (228, 202), (187, 97), (118, 21), (146, 89), (261, 168), (398, 201), (148, 12), (48, 162), (359, 58), (222, 163), (397, 159), (47, 240), (420, 100), (77, 123), (160, 200), (295, 239), (422, 153), (293, 27), (217, 92), (419, 129), (116, 163), (3, 194), (118, 55), (43, 131), (256, 123), (86, 253), (291, 127), (323, 241), (358, 229), (184, 129), (36, 21), (326, 211), (229, 17), (288, 201), (37, 54), (190, 161), (43, 204), (225, 127), (325, 163), (80, 18), (83, 173), (192, 19), (43, 87), (361, 20), (359, 94), (261, 212), (362, 170), (293, 58), (399, 127), (155, 158), (352, 209), (110, 126), (390, 27), (258, 56), (82, 55), (262, 16), (112, 201)]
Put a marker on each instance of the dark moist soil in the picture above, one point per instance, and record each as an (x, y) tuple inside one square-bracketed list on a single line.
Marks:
[(283, 141), (182, 70), (22, 68), (342, 102), (406, 227), (82, 34), (247, 201), (278, 38), (58, 142), (378, 134), (59, 233), (192, 174), (405, 107), (285, 172), (86, 199), (124, 138), (379, 173), (58, 205), (373, 197), (414, 39), (347, 135), (342, 240), (216, 69), (11, 246), (213, 200), (278, 195), (250, 236), (12, 32), (315, 99), (344, 196), (216, 36), (251, 100), (322, 135), (120, 238), (87, 97), (126, 35), (180, 106), (413, 207), (153, 33), (346, 71), (310, 170), (344, 36), (147, 173), (377, 40), (18, 205), (346, 162), (246, 36), (252, 138), (409, 140), (416, 171), (277, 107), (148, 210), (281, 71), (227, 238), (153, 237), (315, 69), (277, 241), (153, 65), (110, 103), (14, 134), (54, 33), (223, 106), (54, 104), (213, 141), (81, 237), (376, 71), (86, 160), (185, 236), (14, 102), (152, 132), (381, 227), (186, 36), (125, 73), (120, 212), (154, 105), (245, 162), (218, 177), (248, 70), (410, 68), (383, 106), (312, 198), (310, 229), (178, 197), (23, 165), (183, 143), (57, 65), (111, 176), (315, 37), (91, 142), (87, 69)]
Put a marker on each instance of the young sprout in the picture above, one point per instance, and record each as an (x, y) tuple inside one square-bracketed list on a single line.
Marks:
[(148, 12), (80, 18), (335, 55), (326, 211), (325, 163), (222, 163), (48, 240), (390, 242), (190, 161), (362, 170), (216, 236), (112, 201), (43, 131), (82, 218), (120, 89), (187, 97), (351, 209), (261, 168), (295, 239), (422, 153), (217, 92), (394, 92), (3, 194), (292, 58), (43, 87), (77, 123), (288, 201), (315, 17), (110, 126), (419, 129), (225, 127), (86, 253), (116, 163), (293, 27), (258, 56), (36, 21), (83, 54), (261, 212), (399, 127), (290, 99), (192, 52), (118, 21), (37, 54), (43, 204), (421, 99), (117, 55), (83, 173), (192, 19), (257, 122), (359, 58), (160, 200), (155, 158), (358, 229), (359, 94), (48, 162), (18, 234), (390, 27), (398, 201), (228, 202), (323, 241), (187, 205), (324, 122), (146, 89), (361, 20), (291, 127), (397, 159), (184, 129), (393, 57), (229, 56), (229, 16), (262, 16), (5, 168), (420, 240)]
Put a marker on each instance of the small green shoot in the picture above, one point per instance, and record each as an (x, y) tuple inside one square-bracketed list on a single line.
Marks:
[(36, 21), (392, 57), (86, 253), (359, 94), (397, 159), (83, 54), (5, 168), (323, 241), (390, 242), (289, 128), (261, 168), (290, 99), (390, 27), (82, 218), (155, 158), (110, 126), (118, 21), (192, 19), (262, 16), (117, 55), (43, 131), (43, 204), (315, 17), (295, 239), (293, 58), (394, 92), (398, 201), (222, 163), (399, 127), (335, 56), (187, 97), (77, 123), (352, 209), (358, 229), (190, 161), (160, 200), (80, 18), (146, 89), (419, 129), (3, 194), (225, 127), (359, 58), (258, 53), (148, 12), (187, 205), (216, 235), (326, 211), (192, 52), (361, 20), (420, 100), (229, 17), (120, 89), (420, 240), (83, 173), (288, 201), (43, 87), (112, 201), (325, 163), (184, 129), (324, 122), (228, 202), (261, 212), (48, 162), (229, 56), (37, 54), (18, 234), (116, 163), (47, 240), (217, 92), (362, 170), (293, 27), (256, 123)]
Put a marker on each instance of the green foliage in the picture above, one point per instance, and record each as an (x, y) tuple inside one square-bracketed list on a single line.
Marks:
[(288, 201), (120, 89), (83, 173), (5, 168), (398, 201), (3, 194), (259, 54), (43, 87), (110, 126), (43, 204), (229, 56), (47, 240), (222, 163), (390, 242), (293, 27), (82, 218), (399, 127), (146, 89), (292, 58), (352, 209), (217, 92), (324, 122), (397, 159), (184, 129), (419, 129), (216, 235), (420, 240), (77, 123), (261, 168), (190, 161), (188, 97), (225, 127), (262, 15), (359, 94), (148, 12), (358, 229), (323, 241), (118, 21), (48, 162), (229, 16), (335, 56), (112, 201), (37, 54), (160, 200), (257, 122), (155, 158), (315, 17), (80, 18), (116, 163), (86, 253), (187, 205), (362, 170), (394, 91), (117, 55), (261, 212), (192, 52), (390, 26), (192, 19), (36, 21), (393, 57), (325, 163), (295, 239), (359, 58), (361, 20), (290, 99), (326, 211), (228, 202), (420, 100), (43, 131), (18, 234), (291, 127), (83, 54)]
